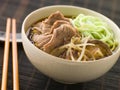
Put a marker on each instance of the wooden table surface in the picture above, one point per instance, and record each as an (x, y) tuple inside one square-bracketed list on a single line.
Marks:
[(30, 77)]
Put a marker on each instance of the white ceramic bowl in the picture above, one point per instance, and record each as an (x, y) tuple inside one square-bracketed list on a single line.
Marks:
[(60, 69)]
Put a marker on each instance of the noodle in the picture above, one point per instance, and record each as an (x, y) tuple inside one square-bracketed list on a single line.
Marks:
[(95, 28)]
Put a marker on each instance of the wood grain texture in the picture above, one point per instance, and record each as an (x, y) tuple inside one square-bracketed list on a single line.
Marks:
[(30, 78)]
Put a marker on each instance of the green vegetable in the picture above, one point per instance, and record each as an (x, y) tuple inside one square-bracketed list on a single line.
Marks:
[(95, 28)]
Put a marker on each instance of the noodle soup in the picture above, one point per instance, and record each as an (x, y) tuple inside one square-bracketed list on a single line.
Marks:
[(72, 69), (82, 38)]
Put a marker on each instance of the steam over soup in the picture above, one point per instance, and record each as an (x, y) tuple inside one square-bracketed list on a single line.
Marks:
[(82, 38)]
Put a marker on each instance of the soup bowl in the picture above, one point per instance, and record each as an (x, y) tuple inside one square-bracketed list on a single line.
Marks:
[(63, 70)]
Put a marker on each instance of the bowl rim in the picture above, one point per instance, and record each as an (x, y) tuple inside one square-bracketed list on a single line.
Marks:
[(70, 6)]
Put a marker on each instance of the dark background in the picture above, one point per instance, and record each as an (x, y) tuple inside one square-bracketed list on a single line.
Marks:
[(30, 78)]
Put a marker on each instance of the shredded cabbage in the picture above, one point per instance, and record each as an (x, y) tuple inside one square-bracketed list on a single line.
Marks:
[(95, 28)]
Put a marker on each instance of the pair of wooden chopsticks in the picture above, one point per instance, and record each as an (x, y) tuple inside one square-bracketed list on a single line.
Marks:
[(14, 56)]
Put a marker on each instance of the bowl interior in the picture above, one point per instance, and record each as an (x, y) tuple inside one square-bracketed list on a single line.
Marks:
[(67, 11)]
